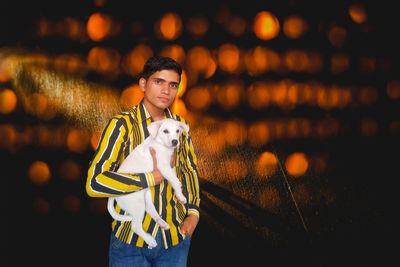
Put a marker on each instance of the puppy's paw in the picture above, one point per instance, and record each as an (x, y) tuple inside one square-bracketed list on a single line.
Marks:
[(163, 224), (181, 199), (152, 243)]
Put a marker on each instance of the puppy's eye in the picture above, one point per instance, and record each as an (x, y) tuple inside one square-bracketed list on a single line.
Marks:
[(166, 131), (177, 131)]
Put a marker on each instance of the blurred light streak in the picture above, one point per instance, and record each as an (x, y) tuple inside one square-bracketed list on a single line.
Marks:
[(87, 104), (235, 132), (269, 199)]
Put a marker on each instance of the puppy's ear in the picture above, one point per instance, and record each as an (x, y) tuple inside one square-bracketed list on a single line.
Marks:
[(184, 127), (154, 126)]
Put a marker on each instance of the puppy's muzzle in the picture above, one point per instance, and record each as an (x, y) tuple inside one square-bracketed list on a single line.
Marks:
[(174, 142)]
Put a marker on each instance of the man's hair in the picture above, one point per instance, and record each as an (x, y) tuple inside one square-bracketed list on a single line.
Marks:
[(157, 63)]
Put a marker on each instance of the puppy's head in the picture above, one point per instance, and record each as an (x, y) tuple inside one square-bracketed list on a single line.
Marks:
[(167, 131)]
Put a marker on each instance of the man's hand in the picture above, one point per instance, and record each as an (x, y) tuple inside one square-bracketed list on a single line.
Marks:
[(158, 178), (189, 224)]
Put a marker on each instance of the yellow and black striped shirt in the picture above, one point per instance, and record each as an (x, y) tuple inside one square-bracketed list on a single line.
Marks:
[(122, 134)]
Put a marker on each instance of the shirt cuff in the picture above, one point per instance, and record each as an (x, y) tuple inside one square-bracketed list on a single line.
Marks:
[(194, 211), (150, 179)]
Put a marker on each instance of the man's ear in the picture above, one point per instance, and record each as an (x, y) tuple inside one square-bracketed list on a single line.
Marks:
[(153, 127), (184, 127), (142, 84)]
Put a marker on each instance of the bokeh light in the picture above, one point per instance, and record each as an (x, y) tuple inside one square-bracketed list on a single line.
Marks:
[(266, 165), (296, 164), (266, 25), (8, 101), (294, 26), (357, 13), (39, 173), (169, 27), (99, 26)]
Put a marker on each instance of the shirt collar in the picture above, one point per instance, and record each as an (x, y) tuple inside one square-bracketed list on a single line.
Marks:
[(145, 115)]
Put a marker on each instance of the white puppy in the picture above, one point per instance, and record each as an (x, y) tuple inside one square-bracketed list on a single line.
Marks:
[(164, 138)]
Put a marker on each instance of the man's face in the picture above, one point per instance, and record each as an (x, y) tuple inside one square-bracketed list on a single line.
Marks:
[(160, 88)]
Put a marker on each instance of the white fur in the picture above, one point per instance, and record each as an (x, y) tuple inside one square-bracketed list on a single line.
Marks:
[(162, 134)]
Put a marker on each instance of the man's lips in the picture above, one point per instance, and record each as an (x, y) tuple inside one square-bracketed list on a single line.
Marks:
[(164, 99)]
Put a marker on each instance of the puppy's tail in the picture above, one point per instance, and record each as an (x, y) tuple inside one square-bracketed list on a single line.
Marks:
[(114, 214)]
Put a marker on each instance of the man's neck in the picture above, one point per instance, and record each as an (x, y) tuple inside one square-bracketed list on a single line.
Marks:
[(156, 113)]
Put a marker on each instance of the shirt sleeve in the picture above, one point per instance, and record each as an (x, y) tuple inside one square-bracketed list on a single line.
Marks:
[(190, 173), (102, 178)]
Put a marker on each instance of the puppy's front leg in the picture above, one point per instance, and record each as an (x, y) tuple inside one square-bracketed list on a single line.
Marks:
[(169, 174)]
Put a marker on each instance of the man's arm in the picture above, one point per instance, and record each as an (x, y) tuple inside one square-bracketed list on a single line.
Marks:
[(102, 179), (189, 171)]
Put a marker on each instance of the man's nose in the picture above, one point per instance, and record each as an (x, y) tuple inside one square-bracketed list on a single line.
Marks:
[(165, 90)]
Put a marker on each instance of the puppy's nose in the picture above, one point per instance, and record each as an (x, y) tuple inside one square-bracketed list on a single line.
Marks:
[(174, 142)]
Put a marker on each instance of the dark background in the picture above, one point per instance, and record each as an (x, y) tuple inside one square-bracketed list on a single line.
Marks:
[(358, 229)]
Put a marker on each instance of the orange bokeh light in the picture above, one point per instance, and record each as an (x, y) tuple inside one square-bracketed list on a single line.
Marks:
[(39, 173), (134, 61), (8, 101), (70, 170), (131, 96), (103, 59), (296, 164), (179, 107), (294, 26), (266, 25), (197, 26), (98, 26), (266, 164), (77, 140), (199, 98), (175, 52), (357, 13), (229, 57), (169, 27)]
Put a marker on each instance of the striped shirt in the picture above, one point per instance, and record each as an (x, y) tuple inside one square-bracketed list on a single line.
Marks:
[(121, 135)]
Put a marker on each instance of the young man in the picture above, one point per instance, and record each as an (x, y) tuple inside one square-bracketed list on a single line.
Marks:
[(160, 82)]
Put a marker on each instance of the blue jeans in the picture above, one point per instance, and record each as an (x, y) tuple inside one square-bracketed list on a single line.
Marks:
[(123, 255)]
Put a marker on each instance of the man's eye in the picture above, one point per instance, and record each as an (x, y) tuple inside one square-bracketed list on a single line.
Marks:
[(166, 131), (174, 85)]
